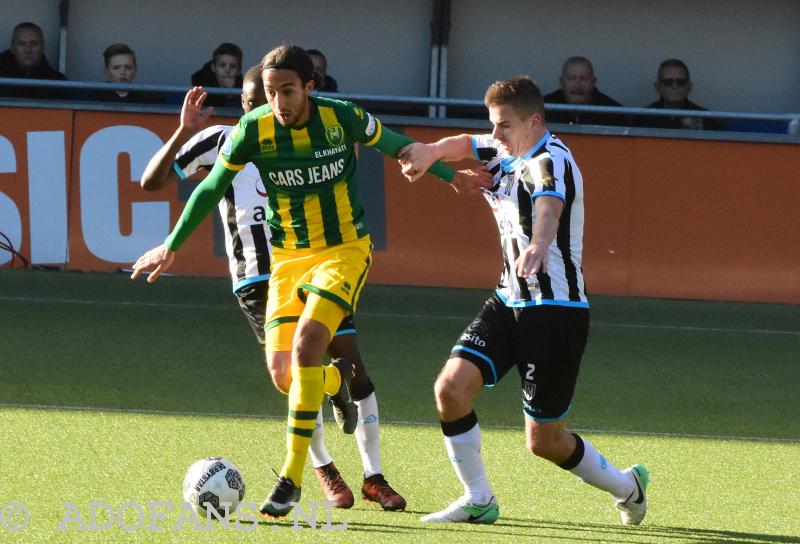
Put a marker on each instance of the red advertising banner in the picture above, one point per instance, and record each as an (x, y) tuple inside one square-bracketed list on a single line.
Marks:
[(664, 217)]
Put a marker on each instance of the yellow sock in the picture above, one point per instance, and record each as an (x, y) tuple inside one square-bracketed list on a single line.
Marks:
[(305, 400), (333, 379)]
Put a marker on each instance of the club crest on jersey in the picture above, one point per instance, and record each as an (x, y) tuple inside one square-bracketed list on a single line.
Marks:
[(267, 145), (335, 135)]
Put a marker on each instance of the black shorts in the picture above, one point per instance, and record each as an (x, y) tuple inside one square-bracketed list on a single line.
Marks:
[(545, 343), (252, 300)]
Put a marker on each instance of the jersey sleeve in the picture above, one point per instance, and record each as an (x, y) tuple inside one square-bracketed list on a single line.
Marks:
[(484, 147), (200, 151), (241, 146), (367, 129), (544, 176)]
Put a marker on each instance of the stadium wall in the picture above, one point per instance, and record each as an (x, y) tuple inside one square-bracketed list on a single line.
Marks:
[(742, 54), (665, 217)]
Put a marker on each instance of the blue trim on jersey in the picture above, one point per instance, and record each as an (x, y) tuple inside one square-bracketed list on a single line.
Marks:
[(249, 281), (540, 302), (546, 419), (482, 356), (344, 331), (474, 141), (178, 170), (511, 163), (536, 146), (549, 193)]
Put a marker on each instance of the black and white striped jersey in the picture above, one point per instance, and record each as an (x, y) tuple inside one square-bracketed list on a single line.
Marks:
[(548, 168), (243, 209)]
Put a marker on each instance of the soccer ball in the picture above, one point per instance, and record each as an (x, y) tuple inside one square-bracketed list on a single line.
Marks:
[(215, 481)]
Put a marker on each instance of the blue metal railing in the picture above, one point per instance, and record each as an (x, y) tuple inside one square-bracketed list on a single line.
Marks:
[(791, 119)]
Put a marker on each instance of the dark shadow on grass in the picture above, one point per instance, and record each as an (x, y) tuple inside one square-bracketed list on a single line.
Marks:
[(662, 532)]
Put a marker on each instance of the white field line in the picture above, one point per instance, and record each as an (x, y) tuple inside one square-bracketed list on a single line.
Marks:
[(684, 328), (141, 411)]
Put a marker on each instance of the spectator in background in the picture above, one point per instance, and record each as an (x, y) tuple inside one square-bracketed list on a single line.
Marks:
[(578, 87), (328, 84), (26, 59), (120, 67), (223, 70), (673, 86)]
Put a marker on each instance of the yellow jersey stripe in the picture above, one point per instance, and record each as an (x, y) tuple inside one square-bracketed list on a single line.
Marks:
[(313, 211), (378, 132), (328, 116), (266, 135), (229, 165), (284, 211), (345, 211), (301, 141)]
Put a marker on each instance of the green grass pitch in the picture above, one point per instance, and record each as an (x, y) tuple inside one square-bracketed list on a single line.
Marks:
[(110, 389)]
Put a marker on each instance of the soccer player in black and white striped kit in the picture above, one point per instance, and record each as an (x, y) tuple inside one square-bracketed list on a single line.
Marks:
[(537, 320), (243, 213)]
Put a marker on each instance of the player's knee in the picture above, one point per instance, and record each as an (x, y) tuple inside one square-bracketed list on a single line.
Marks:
[(538, 447), (310, 343), (279, 369), (447, 392), (544, 443), (361, 386)]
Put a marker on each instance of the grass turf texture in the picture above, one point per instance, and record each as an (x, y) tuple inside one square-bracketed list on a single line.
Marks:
[(712, 383)]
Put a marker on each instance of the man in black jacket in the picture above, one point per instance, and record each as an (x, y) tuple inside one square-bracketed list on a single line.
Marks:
[(578, 87), (25, 59), (673, 86)]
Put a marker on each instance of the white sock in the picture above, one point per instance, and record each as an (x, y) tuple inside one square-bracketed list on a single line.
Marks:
[(464, 451), (317, 450), (596, 471), (368, 435)]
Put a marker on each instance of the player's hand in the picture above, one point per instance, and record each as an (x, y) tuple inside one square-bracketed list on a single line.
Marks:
[(193, 117), (415, 158), (532, 260), (472, 181), (158, 259)]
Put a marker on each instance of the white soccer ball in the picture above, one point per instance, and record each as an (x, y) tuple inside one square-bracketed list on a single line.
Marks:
[(213, 481)]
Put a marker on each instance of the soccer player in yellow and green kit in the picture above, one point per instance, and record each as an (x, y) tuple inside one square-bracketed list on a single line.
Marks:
[(304, 149)]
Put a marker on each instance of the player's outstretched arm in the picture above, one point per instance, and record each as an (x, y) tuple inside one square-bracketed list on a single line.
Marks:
[(159, 171), (202, 200), (390, 143), (472, 181), (416, 158), (157, 260), (533, 258)]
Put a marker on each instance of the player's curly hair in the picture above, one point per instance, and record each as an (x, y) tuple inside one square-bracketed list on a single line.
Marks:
[(289, 56), (521, 93)]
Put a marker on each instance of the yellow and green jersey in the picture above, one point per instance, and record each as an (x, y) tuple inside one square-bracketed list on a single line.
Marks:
[(308, 173)]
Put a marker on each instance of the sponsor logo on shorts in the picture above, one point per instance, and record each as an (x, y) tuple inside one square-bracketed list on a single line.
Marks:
[(473, 338), (479, 327), (346, 287)]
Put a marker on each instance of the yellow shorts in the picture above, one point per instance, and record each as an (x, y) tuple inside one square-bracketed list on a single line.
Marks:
[(336, 273)]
